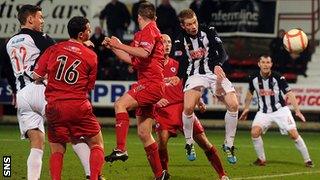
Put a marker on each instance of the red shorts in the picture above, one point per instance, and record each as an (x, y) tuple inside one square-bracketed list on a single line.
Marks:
[(170, 118), (70, 120), (146, 94)]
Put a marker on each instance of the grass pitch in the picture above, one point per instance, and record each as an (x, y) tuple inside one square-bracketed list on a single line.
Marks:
[(283, 160)]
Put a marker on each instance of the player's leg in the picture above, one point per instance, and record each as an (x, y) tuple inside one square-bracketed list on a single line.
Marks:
[(191, 98), (260, 125), (34, 161), (301, 146), (210, 151), (226, 93), (256, 132), (283, 117), (56, 159), (163, 137), (122, 105), (150, 145), (31, 126), (82, 150), (96, 146), (231, 121)]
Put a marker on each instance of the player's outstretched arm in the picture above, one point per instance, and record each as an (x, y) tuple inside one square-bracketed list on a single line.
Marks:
[(139, 52), (247, 102), (292, 99), (124, 56)]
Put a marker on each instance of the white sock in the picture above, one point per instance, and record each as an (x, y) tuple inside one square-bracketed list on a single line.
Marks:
[(301, 146), (258, 146), (188, 128), (83, 152), (34, 163), (231, 120)]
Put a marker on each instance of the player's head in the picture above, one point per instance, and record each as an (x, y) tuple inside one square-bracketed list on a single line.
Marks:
[(265, 64), (146, 12), (30, 16), (188, 21), (166, 43), (79, 28)]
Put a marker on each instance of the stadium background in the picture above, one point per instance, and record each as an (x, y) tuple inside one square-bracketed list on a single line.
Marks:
[(242, 47)]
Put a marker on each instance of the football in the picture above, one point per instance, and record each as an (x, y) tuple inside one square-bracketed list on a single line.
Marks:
[(295, 41)]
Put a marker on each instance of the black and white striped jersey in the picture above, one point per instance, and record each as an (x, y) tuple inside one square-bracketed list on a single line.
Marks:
[(198, 54), (23, 50), (270, 91)]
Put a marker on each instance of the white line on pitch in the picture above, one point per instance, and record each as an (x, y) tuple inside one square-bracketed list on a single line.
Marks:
[(277, 175)]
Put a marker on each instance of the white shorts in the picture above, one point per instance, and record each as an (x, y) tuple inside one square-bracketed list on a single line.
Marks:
[(282, 117), (31, 108), (209, 82)]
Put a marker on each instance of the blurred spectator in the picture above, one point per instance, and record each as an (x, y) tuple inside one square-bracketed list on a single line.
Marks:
[(134, 12), (97, 38), (300, 61), (119, 71), (118, 18), (277, 50), (132, 75), (167, 19), (195, 6), (102, 53)]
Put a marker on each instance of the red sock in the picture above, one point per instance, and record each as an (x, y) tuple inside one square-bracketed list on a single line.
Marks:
[(164, 158), (96, 162), (153, 158), (122, 127), (215, 161), (56, 161)]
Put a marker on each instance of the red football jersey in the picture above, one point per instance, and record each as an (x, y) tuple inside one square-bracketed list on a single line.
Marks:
[(71, 68), (174, 94), (149, 69)]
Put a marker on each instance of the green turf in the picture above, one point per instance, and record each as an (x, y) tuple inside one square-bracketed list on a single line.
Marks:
[(283, 158)]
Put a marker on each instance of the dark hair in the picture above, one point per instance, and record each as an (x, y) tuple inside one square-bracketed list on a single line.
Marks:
[(76, 25), (25, 11), (264, 56), (147, 10), (186, 14)]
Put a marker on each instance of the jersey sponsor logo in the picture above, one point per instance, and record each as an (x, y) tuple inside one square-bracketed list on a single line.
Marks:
[(268, 92), (198, 54)]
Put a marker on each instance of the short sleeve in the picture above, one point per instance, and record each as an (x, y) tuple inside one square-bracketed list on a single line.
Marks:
[(251, 87), (283, 85)]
